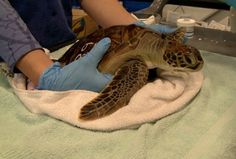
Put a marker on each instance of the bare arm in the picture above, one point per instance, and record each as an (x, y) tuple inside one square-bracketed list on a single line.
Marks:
[(107, 12), (18, 47), (33, 64)]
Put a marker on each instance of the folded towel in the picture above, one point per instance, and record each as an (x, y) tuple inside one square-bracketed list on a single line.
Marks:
[(155, 100)]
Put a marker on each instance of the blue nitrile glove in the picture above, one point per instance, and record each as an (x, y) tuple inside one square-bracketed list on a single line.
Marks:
[(156, 27), (80, 74), (165, 29), (230, 2)]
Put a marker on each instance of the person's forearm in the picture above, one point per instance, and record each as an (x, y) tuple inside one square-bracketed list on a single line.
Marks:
[(107, 12), (33, 64), (18, 48), (16, 41)]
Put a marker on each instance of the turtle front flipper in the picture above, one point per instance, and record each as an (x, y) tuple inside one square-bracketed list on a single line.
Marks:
[(128, 79)]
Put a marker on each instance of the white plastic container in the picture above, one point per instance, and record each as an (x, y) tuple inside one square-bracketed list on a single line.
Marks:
[(188, 24)]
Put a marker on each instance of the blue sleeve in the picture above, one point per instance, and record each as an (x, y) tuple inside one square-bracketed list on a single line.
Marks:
[(15, 38)]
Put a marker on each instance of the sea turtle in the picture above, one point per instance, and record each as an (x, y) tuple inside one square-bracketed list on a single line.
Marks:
[(133, 51)]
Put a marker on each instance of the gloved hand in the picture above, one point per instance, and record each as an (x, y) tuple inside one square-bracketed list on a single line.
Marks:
[(80, 74), (230, 2), (156, 27), (159, 28)]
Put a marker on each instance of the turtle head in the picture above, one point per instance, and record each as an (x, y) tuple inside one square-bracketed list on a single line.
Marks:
[(178, 56)]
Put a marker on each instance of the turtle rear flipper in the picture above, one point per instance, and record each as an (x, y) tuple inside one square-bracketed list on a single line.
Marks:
[(131, 76)]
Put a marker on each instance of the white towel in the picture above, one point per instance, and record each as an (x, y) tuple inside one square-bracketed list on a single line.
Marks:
[(155, 100)]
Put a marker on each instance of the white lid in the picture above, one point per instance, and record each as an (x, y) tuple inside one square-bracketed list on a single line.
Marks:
[(186, 22)]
